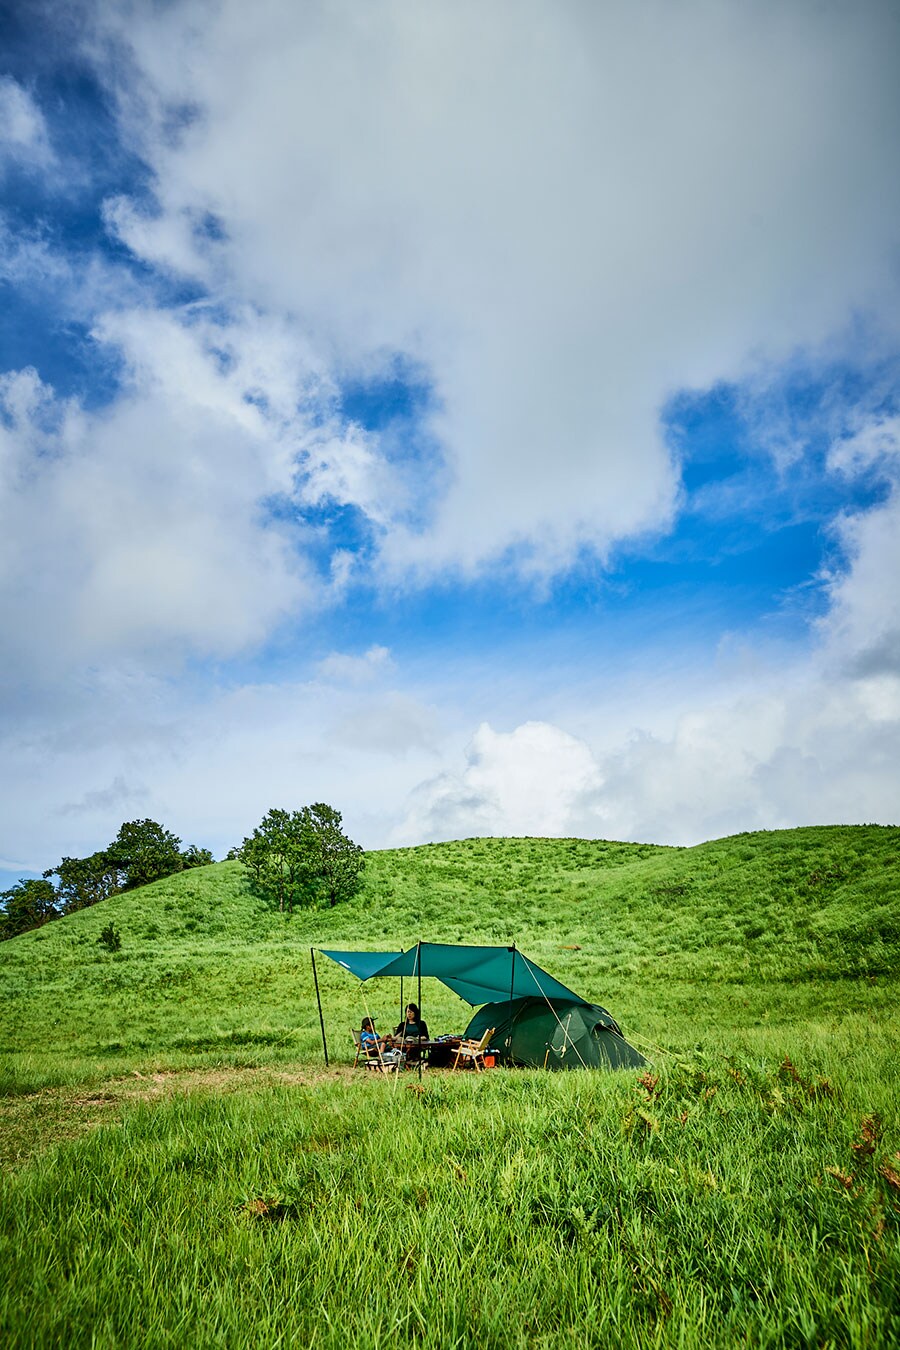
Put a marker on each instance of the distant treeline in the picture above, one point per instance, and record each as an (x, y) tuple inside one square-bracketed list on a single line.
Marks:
[(142, 851)]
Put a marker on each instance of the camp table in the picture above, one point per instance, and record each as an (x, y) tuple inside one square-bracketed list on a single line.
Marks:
[(437, 1052)]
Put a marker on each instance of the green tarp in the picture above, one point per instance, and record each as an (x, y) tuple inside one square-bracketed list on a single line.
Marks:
[(476, 974), (560, 1035)]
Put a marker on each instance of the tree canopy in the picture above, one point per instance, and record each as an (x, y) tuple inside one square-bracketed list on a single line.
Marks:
[(146, 851), (27, 905), (142, 851), (303, 857)]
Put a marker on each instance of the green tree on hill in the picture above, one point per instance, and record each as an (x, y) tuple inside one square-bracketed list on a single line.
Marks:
[(28, 904), (145, 851), (275, 858), (142, 851), (303, 857), (338, 863), (85, 881), (196, 857)]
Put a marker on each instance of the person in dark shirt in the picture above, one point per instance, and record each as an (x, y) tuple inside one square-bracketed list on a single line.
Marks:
[(413, 1029)]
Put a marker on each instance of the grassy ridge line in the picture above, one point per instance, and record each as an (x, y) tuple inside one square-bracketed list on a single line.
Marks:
[(207, 971)]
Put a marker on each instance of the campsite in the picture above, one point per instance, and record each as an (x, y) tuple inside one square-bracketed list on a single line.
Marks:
[(533, 1023), (180, 1167)]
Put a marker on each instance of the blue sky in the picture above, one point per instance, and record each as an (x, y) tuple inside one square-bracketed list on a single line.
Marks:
[(483, 420)]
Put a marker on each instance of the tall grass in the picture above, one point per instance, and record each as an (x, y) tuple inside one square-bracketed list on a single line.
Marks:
[(719, 1202)]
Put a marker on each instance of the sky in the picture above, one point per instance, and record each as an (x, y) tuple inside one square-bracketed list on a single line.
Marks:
[(482, 418)]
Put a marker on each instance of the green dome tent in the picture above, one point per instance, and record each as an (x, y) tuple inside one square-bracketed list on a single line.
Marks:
[(555, 1033)]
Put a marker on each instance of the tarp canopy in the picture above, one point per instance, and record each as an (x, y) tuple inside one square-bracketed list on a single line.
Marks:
[(476, 974), (559, 1034)]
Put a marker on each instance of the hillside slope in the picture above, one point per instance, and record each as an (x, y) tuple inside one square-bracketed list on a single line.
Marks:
[(207, 970)]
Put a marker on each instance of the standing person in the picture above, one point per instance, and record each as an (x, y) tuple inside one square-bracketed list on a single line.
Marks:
[(412, 1030)]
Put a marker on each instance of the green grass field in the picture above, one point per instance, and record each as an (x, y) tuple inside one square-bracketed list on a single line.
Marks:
[(180, 1169)]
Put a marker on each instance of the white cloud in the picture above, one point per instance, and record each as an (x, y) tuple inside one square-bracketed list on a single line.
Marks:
[(810, 741), (862, 626), (395, 724), (565, 214), (167, 241), (142, 528), (562, 214), (344, 668), (23, 132), (659, 756), (795, 752), (208, 763), (117, 796), (526, 782)]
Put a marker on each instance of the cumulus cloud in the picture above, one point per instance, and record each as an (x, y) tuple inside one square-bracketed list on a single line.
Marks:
[(148, 526), (805, 752), (560, 215), (525, 782), (563, 215), (815, 739)]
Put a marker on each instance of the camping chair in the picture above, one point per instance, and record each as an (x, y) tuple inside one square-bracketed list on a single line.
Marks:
[(369, 1055), (472, 1052), (362, 1051)]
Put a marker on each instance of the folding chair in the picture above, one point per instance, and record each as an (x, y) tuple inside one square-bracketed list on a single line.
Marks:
[(371, 1057), (361, 1053), (472, 1052)]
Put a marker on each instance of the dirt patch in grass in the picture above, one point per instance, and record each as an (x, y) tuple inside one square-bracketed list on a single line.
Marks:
[(32, 1123)]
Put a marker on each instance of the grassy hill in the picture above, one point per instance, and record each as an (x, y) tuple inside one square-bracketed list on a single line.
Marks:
[(779, 924), (180, 1169)]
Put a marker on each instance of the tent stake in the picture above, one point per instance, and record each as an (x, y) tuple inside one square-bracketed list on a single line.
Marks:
[(312, 957)]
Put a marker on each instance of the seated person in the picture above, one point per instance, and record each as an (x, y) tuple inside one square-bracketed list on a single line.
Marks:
[(413, 1029), (368, 1036), (375, 1046)]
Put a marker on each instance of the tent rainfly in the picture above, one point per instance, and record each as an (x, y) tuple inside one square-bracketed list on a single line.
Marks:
[(537, 1020), (555, 1033)]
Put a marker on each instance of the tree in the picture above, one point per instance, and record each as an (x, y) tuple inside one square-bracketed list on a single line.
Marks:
[(85, 881), (145, 852), (28, 904), (276, 858), (303, 857), (337, 861), (196, 857), (142, 851)]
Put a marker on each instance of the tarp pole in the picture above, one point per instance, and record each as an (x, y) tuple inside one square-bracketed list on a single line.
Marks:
[(312, 957), (419, 1000), (402, 1009), (512, 985)]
